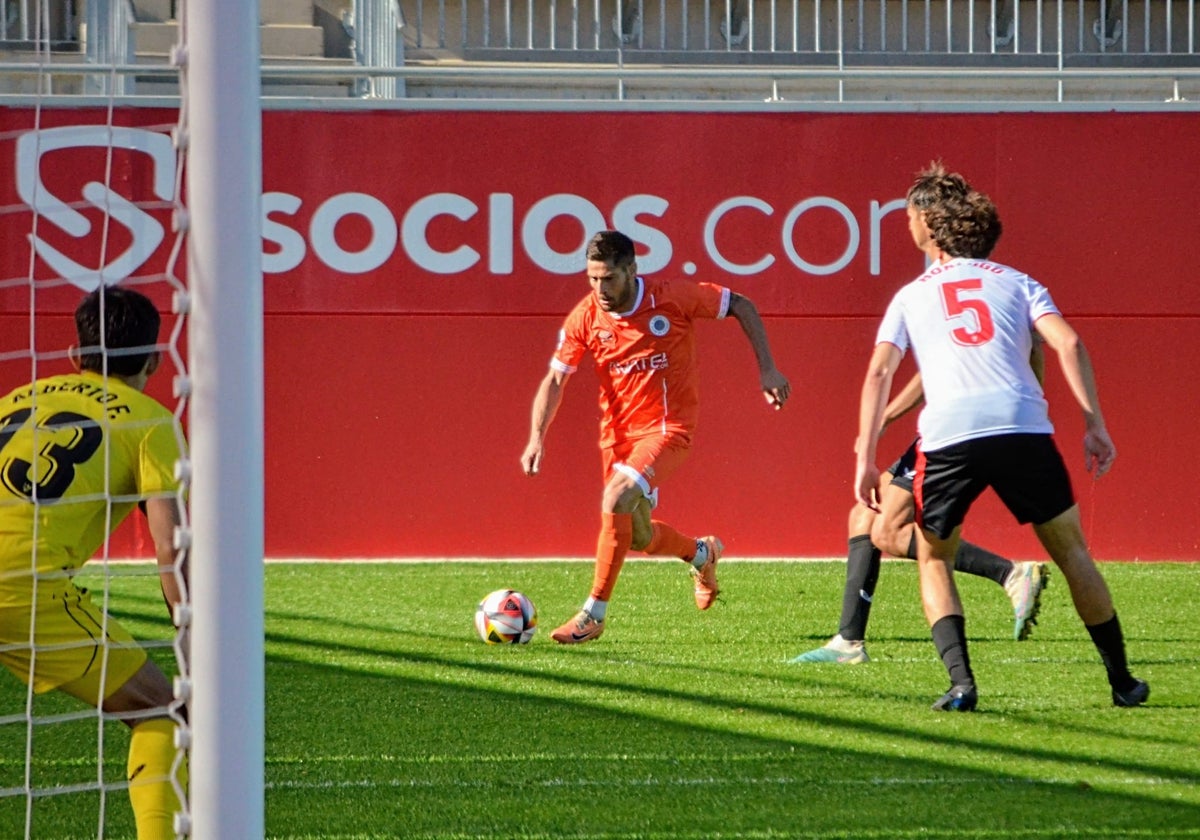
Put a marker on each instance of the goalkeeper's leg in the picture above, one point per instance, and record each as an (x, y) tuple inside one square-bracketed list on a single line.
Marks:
[(152, 791), (151, 753)]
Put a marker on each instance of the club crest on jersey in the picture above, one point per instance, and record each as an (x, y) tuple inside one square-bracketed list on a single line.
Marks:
[(660, 325), (605, 336)]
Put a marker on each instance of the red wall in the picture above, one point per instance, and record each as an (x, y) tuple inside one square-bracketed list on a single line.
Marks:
[(399, 385)]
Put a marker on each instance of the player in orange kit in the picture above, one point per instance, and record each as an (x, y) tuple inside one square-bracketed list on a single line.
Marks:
[(640, 333)]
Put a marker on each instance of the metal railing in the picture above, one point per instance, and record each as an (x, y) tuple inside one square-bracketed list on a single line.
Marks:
[(804, 51), (375, 28), (814, 50), (108, 42), (757, 30)]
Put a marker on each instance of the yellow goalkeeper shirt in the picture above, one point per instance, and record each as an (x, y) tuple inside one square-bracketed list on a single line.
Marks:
[(77, 453)]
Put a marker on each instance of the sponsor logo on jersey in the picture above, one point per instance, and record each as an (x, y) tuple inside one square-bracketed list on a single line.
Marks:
[(657, 361)]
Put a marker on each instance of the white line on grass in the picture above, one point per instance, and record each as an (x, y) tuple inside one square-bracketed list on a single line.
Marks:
[(376, 561), (1088, 833), (445, 560), (707, 781)]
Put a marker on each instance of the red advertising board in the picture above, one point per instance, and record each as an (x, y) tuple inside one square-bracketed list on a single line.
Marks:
[(417, 267)]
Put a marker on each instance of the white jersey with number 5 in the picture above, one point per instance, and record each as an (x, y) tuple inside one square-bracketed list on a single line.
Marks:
[(970, 326)]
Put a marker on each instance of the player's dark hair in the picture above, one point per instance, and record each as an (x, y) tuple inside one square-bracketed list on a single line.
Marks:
[(963, 221), (612, 247), (112, 321)]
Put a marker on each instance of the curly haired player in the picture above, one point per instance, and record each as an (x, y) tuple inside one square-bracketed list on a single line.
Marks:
[(970, 323)]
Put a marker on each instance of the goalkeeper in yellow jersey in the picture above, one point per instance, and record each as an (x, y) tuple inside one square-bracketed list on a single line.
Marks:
[(77, 453)]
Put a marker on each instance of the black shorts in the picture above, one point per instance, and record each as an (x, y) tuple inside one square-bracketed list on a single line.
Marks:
[(1026, 471), (905, 469)]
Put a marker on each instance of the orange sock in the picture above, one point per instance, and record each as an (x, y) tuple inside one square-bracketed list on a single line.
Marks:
[(616, 533), (665, 541)]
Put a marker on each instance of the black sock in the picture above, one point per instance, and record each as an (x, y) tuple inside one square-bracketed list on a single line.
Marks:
[(862, 573), (979, 561), (1111, 644), (950, 639)]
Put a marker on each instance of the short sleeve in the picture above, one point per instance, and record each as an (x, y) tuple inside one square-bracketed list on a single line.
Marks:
[(157, 456), (892, 329), (571, 344), (1040, 302), (701, 300)]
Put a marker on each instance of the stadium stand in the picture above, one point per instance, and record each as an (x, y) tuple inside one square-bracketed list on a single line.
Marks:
[(798, 50)]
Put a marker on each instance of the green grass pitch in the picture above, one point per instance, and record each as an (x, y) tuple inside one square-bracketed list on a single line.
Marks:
[(387, 718)]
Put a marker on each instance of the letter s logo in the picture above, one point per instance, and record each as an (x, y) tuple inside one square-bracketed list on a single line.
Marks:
[(147, 234)]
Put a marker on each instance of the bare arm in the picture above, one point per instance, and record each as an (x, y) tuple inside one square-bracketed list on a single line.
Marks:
[(1037, 359), (545, 406), (1098, 449), (775, 386), (162, 517), (910, 396), (876, 386)]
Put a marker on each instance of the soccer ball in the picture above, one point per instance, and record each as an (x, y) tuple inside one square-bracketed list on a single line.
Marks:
[(506, 617)]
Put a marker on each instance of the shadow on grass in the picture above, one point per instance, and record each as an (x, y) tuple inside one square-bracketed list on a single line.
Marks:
[(713, 681), (425, 757), (131, 608), (389, 726)]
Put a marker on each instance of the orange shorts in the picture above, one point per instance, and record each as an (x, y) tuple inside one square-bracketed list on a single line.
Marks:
[(648, 461)]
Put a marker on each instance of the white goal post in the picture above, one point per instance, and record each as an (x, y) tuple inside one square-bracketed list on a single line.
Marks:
[(220, 90)]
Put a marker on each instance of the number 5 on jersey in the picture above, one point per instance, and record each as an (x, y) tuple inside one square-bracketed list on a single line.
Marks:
[(967, 312)]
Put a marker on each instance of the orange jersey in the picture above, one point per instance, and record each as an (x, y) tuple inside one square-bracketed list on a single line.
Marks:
[(645, 358)]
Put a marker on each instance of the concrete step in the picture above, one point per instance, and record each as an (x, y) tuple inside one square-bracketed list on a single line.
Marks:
[(278, 40), (293, 12), (287, 40), (298, 12), (155, 38), (154, 11)]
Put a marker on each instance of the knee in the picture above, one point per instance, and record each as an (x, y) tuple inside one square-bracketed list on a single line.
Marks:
[(890, 538), (621, 497), (149, 688), (643, 532), (860, 521), (612, 501)]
